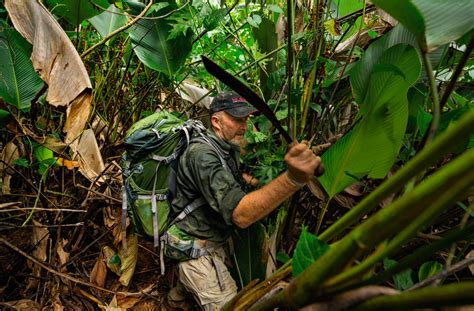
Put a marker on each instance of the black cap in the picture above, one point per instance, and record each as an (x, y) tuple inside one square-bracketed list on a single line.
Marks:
[(232, 103)]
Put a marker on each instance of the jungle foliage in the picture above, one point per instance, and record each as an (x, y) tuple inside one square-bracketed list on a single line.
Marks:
[(382, 90)]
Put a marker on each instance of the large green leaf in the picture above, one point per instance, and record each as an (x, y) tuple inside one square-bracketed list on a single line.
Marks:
[(372, 145), (308, 249), (433, 22), (75, 11), (108, 21), (250, 253), (346, 7), (19, 82), (155, 50), (361, 72)]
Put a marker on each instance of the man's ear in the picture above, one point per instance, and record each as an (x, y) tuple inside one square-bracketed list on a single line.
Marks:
[(215, 122)]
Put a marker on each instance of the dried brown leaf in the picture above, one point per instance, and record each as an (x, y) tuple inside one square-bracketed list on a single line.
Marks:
[(356, 189), (39, 242), (361, 40), (128, 302), (192, 93), (9, 154), (56, 61), (112, 306), (87, 295), (89, 157), (280, 29), (148, 305), (344, 200), (77, 114), (24, 304), (63, 256), (98, 275), (129, 259), (57, 306), (316, 189), (299, 17)]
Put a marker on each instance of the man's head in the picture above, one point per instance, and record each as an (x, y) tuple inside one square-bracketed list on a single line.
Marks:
[(229, 113), (232, 103)]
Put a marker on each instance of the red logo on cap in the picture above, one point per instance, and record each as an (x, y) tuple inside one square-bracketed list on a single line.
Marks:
[(238, 100)]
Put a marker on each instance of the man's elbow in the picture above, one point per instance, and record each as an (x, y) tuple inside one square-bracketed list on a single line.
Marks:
[(240, 220)]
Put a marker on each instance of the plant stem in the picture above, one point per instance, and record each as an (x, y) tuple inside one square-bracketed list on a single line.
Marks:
[(431, 297), (421, 254), (459, 174), (113, 33), (289, 66), (435, 97), (333, 93), (443, 274), (446, 142)]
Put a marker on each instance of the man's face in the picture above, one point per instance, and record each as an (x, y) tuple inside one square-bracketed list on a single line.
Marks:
[(229, 128)]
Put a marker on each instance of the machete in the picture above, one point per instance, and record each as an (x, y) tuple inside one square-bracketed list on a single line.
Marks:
[(251, 97)]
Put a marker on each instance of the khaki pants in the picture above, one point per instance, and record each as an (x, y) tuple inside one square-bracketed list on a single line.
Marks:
[(199, 278)]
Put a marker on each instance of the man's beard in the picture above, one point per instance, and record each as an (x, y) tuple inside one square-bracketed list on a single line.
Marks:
[(237, 140)]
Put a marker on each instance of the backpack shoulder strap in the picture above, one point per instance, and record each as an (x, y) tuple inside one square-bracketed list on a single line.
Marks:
[(202, 138)]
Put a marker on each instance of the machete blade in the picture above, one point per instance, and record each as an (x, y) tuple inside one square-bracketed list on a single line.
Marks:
[(250, 96), (244, 91)]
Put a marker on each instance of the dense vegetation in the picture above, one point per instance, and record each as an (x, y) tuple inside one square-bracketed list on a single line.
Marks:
[(382, 90)]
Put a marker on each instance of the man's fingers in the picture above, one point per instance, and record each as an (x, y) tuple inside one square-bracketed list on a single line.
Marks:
[(296, 149)]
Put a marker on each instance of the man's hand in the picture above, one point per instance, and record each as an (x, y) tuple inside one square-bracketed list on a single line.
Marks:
[(302, 163)]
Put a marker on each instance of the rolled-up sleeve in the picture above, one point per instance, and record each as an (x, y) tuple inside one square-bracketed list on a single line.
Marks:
[(214, 181)]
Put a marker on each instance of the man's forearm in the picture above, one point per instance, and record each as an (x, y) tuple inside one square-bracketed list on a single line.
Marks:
[(259, 203)]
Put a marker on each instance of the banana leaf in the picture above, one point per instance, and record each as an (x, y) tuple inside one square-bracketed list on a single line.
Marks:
[(154, 48), (433, 22), (372, 145), (75, 11), (108, 21), (19, 83)]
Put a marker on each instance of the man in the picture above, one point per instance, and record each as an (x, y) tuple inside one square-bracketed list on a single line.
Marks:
[(203, 174)]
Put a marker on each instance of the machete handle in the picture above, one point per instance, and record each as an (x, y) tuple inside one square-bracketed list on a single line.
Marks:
[(319, 170)]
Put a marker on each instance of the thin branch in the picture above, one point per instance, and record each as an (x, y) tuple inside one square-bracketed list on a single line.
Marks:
[(457, 73), (446, 272), (87, 247), (434, 96), (42, 209), (113, 33), (98, 193), (5, 205), (199, 36), (64, 275)]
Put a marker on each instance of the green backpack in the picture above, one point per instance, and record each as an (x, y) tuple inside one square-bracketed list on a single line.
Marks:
[(153, 146)]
